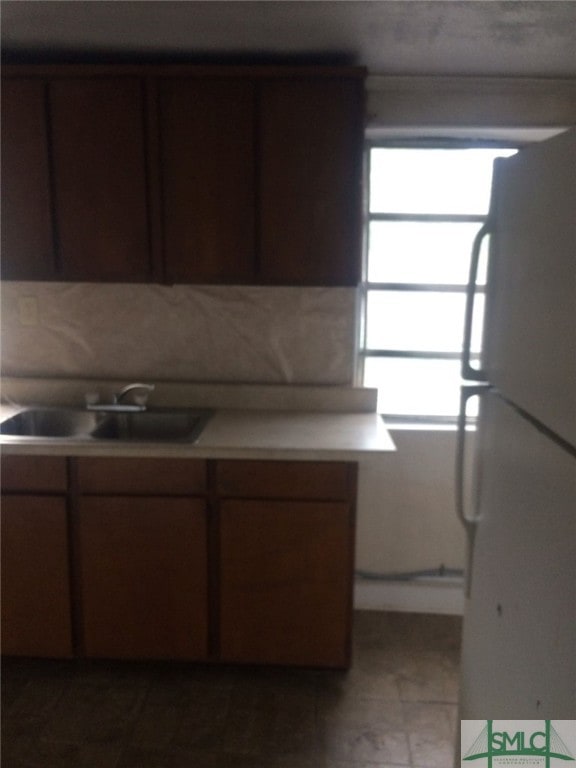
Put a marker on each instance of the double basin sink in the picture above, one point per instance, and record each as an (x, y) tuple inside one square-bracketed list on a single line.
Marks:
[(150, 425)]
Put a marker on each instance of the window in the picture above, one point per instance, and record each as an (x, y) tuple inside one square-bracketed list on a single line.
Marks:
[(425, 206)]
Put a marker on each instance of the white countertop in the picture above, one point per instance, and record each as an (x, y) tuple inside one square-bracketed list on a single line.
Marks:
[(238, 434)]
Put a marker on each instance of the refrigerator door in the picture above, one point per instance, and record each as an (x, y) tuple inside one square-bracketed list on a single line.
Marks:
[(529, 350), (519, 634)]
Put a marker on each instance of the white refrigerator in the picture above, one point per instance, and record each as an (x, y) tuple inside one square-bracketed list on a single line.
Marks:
[(519, 630)]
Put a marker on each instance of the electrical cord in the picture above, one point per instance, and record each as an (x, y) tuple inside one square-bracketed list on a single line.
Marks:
[(430, 573)]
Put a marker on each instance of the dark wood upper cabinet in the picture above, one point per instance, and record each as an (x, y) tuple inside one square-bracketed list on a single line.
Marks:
[(27, 237), (208, 179), (222, 175), (100, 178), (310, 181)]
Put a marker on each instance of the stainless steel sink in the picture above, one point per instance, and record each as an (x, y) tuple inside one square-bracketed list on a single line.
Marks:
[(49, 422), (152, 425)]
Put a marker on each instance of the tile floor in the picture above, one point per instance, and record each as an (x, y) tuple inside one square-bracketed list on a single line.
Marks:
[(396, 707)]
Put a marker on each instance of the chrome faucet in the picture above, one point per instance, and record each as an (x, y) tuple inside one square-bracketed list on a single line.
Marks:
[(117, 403), (141, 401)]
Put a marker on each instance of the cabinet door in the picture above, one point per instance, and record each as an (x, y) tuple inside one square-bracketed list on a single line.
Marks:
[(286, 582), (208, 179), (27, 243), (310, 181), (143, 568), (36, 617), (100, 178)]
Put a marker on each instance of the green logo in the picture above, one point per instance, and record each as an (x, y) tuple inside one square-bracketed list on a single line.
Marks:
[(542, 743)]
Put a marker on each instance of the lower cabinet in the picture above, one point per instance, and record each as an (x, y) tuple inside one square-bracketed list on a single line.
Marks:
[(36, 617), (285, 582), (35, 600), (143, 577), (286, 556), (142, 558), (233, 561)]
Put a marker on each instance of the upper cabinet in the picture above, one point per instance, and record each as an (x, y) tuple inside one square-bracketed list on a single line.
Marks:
[(27, 236), (100, 180), (310, 181), (207, 162), (211, 176), (74, 181)]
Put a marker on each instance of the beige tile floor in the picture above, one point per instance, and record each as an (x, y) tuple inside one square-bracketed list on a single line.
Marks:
[(396, 707)]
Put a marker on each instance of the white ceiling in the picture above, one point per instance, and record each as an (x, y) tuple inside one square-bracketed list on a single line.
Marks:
[(394, 37)]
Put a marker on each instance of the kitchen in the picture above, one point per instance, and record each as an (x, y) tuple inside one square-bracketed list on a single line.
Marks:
[(385, 542)]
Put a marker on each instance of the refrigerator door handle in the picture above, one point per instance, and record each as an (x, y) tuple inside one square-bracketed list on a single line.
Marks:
[(468, 372), (468, 520)]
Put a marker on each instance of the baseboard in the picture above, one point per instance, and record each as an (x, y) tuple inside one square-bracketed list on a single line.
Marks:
[(429, 596)]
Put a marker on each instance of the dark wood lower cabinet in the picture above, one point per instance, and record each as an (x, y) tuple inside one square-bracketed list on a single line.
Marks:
[(129, 558), (143, 577), (285, 582), (36, 616)]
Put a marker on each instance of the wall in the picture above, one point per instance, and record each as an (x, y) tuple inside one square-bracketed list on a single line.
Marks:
[(407, 524), (406, 500), (473, 103), (179, 333)]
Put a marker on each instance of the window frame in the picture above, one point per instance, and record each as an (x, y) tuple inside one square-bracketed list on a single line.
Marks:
[(366, 287)]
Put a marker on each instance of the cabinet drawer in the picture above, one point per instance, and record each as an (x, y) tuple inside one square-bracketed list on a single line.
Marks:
[(286, 479), (34, 473), (168, 477)]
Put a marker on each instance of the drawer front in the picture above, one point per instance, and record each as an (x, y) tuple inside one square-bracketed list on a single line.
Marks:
[(34, 474), (286, 479), (168, 477)]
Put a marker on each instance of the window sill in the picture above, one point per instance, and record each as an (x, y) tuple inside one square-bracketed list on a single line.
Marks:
[(423, 424)]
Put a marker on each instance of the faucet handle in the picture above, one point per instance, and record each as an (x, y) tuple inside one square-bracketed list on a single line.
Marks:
[(139, 399), (91, 398)]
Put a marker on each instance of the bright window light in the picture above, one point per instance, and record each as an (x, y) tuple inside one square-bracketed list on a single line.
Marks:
[(425, 207)]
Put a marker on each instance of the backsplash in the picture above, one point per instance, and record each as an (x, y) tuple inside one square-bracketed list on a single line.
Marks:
[(179, 333)]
